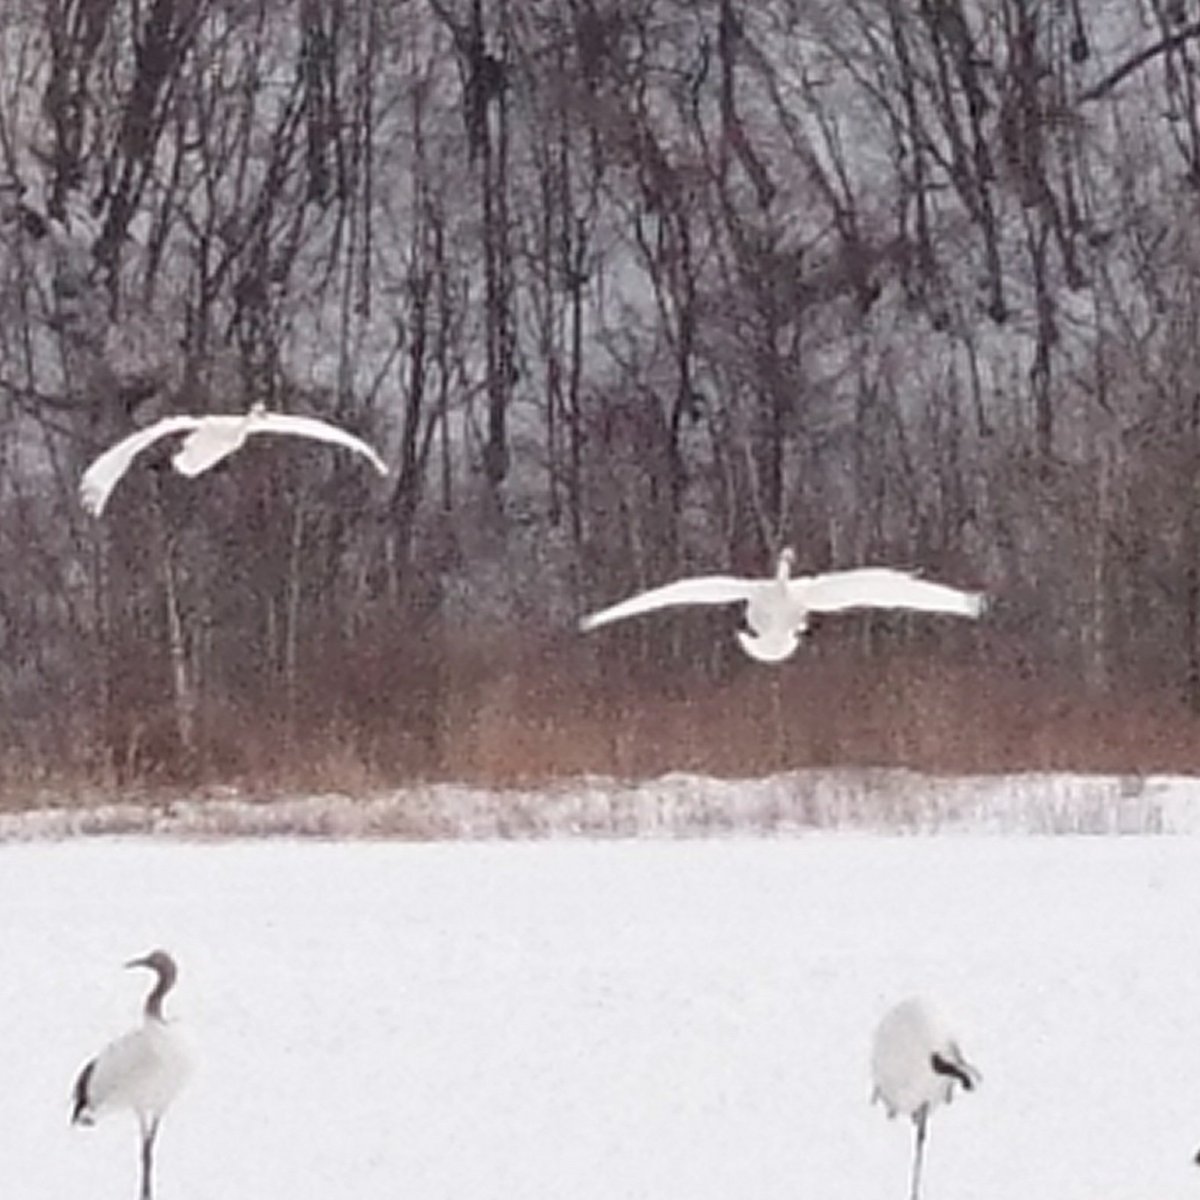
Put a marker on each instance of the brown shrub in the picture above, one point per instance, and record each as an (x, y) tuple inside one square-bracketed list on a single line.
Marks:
[(500, 708)]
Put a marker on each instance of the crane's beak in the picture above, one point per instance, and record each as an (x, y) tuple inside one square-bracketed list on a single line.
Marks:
[(138, 962)]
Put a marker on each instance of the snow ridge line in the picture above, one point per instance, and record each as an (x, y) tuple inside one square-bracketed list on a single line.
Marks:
[(676, 805)]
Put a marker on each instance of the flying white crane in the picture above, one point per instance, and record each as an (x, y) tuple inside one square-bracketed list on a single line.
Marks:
[(915, 1064), (209, 440), (777, 609), (141, 1071)]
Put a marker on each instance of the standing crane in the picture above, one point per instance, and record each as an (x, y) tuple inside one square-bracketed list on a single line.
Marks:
[(915, 1064), (143, 1070)]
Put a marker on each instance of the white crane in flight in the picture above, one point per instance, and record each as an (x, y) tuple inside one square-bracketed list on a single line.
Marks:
[(209, 440), (777, 608)]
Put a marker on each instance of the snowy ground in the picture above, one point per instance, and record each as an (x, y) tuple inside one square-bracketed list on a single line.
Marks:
[(672, 805), (581, 1019)]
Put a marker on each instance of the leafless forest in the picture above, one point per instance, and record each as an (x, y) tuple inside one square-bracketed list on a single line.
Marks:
[(623, 289)]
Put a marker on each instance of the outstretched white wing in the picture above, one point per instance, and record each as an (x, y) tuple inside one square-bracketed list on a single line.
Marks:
[(883, 587), (103, 474), (311, 427), (705, 589)]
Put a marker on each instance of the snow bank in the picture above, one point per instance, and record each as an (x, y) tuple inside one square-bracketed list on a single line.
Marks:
[(675, 805)]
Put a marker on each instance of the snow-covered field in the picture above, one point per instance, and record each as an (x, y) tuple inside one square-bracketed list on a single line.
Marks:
[(583, 1019)]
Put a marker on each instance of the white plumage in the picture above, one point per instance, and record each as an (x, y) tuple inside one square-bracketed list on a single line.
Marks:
[(142, 1071), (915, 1065), (777, 608), (209, 440)]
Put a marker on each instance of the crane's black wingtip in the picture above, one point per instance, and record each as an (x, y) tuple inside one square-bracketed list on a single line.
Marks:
[(79, 1110), (943, 1066)]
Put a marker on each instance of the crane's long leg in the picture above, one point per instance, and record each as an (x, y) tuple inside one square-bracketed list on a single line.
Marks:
[(149, 1132), (920, 1120)]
